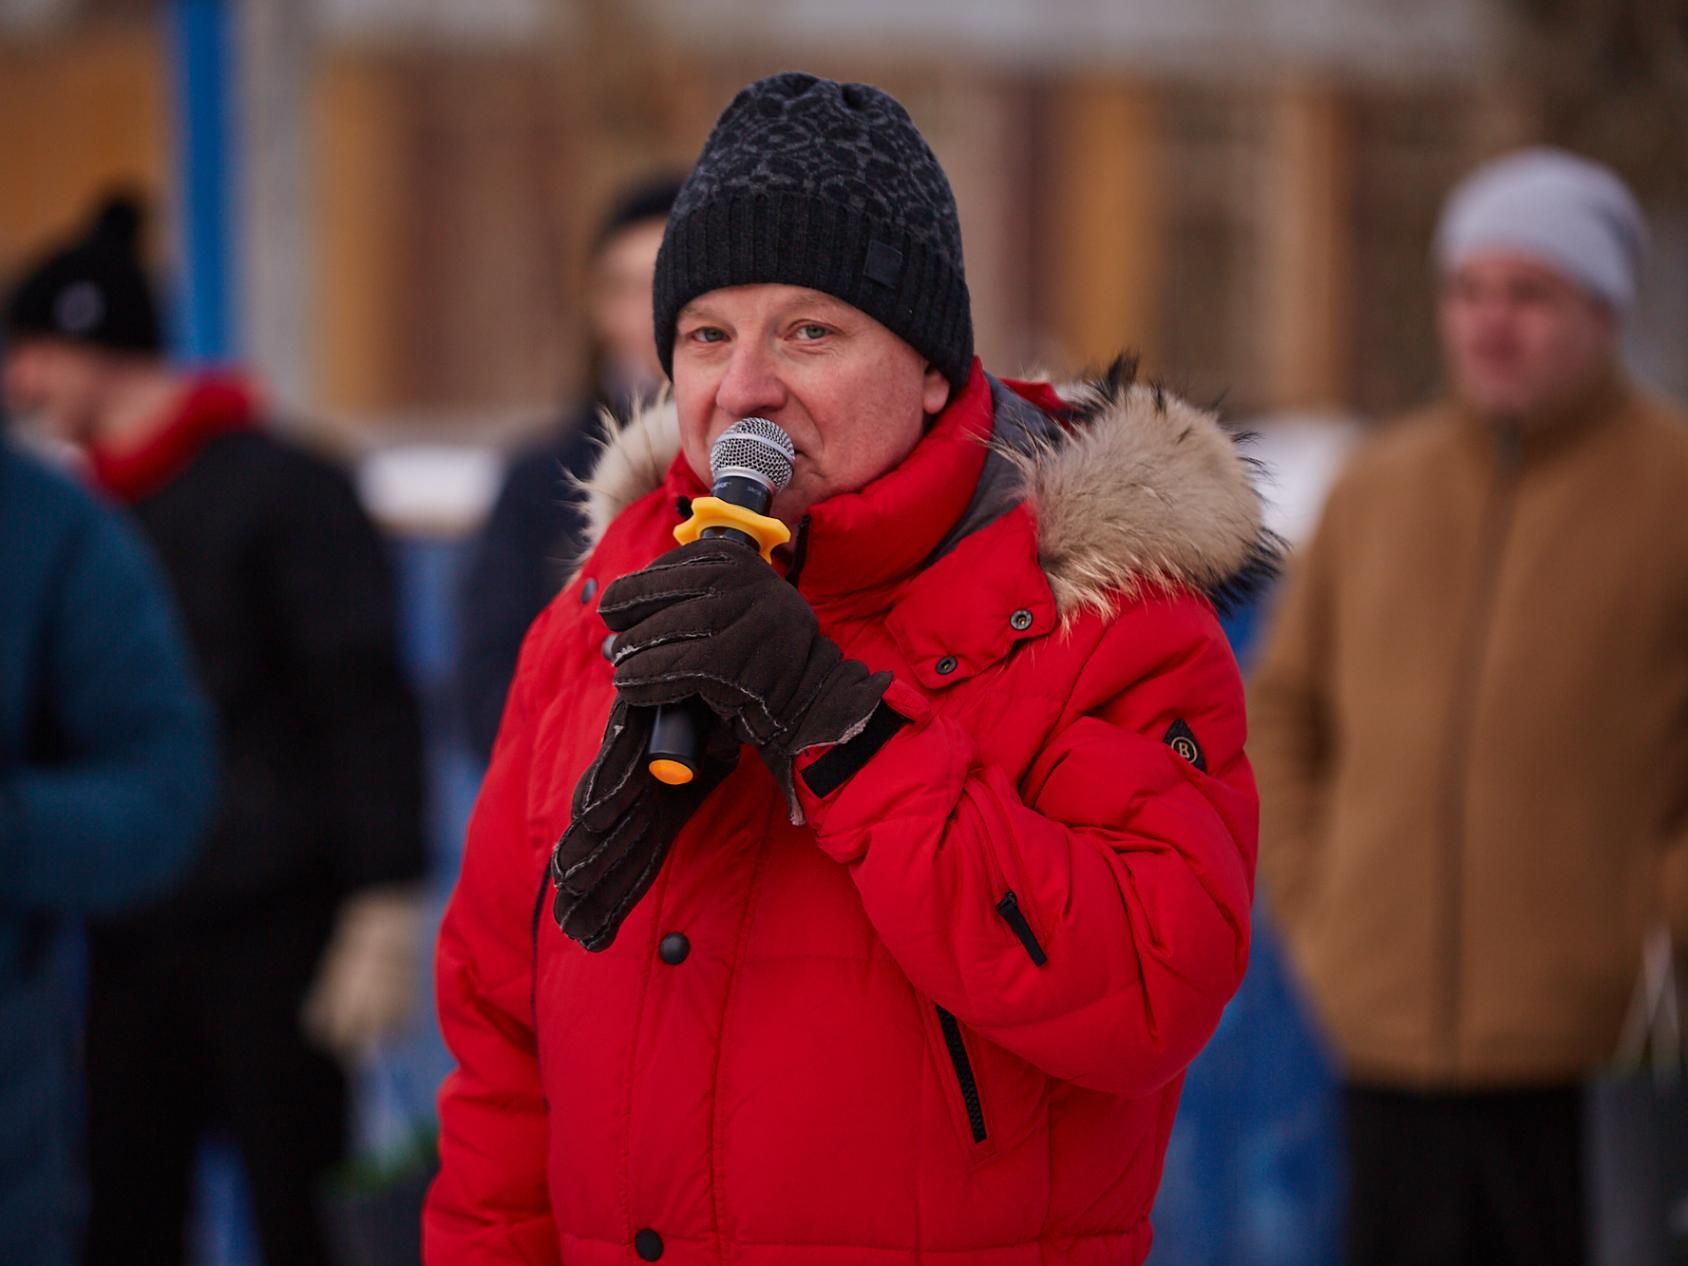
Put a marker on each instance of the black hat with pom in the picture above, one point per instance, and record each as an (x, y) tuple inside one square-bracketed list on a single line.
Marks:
[(93, 290)]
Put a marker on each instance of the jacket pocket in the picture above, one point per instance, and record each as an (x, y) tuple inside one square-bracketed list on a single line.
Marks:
[(1009, 909), (534, 923), (995, 1102), (967, 1085)]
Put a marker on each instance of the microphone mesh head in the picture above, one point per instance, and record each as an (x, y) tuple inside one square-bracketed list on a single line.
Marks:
[(755, 447)]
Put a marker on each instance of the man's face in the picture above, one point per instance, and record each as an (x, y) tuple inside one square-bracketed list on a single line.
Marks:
[(852, 395), (1520, 339), (620, 307), (55, 388)]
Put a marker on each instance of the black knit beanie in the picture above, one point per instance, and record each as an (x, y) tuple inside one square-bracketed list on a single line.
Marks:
[(830, 186), (93, 290)]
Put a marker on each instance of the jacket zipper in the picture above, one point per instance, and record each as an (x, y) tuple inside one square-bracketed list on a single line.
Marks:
[(799, 552), (963, 1074), (533, 939), (1009, 909), (1497, 524)]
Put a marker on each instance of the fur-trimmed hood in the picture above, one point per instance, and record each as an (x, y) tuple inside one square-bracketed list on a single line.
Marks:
[(1132, 488)]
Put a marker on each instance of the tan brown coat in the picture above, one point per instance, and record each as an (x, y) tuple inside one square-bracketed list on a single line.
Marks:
[(1471, 733)]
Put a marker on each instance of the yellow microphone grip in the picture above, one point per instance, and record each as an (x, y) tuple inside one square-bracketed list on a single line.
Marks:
[(712, 512)]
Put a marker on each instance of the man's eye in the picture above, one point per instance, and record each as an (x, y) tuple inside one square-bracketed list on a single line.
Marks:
[(705, 334), (810, 331)]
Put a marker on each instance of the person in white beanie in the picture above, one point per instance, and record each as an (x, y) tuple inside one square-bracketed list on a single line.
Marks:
[(1470, 725), (1568, 214)]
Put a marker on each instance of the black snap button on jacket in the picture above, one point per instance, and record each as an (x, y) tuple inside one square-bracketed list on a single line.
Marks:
[(673, 948), (648, 1245)]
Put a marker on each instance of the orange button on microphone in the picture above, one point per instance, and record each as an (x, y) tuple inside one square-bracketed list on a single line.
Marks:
[(674, 773)]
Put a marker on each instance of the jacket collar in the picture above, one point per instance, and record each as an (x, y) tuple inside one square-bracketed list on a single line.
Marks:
[(870, 539), (875, 537), (1126, 490), (1560, 429)]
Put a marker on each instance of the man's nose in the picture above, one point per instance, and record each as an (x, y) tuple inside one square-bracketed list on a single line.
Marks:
[(751, 384)]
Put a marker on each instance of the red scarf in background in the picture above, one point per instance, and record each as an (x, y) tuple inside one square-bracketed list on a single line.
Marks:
[(213, 405)]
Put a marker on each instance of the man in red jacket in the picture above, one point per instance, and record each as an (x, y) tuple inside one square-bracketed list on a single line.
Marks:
[(917, 977)]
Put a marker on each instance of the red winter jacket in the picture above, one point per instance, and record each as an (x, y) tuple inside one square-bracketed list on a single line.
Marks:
[(946, 1020)]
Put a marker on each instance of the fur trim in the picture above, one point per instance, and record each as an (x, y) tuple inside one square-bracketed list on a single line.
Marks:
[(1143, 492), (1138, 491), (632, 460)]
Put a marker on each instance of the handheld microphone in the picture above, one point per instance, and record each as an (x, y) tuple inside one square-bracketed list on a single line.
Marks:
[(748, 464)]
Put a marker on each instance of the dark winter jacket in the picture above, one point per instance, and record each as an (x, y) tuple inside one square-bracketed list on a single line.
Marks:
[(106, 785), (285, 591), (945, 1020), (524, 554)]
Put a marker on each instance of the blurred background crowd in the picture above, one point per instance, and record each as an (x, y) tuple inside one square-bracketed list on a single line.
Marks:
[(402, 249)]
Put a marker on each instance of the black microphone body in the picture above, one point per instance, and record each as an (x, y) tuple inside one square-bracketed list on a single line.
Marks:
[(750, 462), (741, 490)]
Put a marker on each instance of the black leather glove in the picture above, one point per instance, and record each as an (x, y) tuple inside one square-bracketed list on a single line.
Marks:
[(712, 620), (622, 824)]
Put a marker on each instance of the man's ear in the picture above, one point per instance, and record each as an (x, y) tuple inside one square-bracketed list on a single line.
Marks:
[(934, 391)]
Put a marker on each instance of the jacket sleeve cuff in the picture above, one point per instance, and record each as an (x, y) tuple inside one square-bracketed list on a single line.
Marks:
[(823, 771)]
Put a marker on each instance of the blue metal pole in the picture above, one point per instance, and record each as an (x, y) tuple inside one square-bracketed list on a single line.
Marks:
[(203, 55)]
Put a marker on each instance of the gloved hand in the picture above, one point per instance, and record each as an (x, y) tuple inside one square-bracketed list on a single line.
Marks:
[(712, 620), (367, 983), (622, 823)]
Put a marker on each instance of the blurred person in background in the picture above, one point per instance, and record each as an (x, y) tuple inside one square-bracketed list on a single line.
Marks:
[(291, 946), (1254, 1168), (912, 969), (107, 782), (534, 533), (1471, 727)]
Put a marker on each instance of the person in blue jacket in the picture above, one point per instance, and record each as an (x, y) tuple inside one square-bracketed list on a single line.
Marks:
[(107, 781)]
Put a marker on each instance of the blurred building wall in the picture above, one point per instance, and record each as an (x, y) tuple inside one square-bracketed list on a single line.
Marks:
[(79, 112), (1242, 191), (1264, 240)]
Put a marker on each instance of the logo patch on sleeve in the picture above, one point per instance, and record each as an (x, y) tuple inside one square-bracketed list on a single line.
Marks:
[(1181, 739)]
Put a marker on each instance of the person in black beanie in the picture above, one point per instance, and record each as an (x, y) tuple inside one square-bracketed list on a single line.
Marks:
[(290, 944), (533, 534), (911, 966), (835, 190), (93, 291)]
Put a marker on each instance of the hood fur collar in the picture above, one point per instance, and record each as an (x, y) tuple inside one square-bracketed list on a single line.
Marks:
[(1133, 490)]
